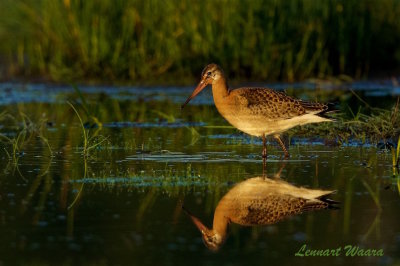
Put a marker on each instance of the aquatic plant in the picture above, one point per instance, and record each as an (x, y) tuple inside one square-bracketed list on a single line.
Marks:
[(396, 163), (82, 185), (90, 140), (367, 125), (25, 130)]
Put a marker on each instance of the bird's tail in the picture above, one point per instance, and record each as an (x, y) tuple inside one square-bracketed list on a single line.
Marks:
[(331, 204), (331, 108)]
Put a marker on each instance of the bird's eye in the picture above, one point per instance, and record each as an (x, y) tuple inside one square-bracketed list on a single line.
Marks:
[(209, 73)]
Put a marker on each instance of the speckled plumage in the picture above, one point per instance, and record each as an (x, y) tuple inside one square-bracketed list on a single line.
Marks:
[(261, 201), (259, 111), (275, 105)]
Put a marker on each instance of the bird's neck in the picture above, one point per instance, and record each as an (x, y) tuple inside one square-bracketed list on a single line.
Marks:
[(220, 89), (221, 221)]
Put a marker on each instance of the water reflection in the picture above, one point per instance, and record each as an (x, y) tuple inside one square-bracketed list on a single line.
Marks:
[(260, 201)]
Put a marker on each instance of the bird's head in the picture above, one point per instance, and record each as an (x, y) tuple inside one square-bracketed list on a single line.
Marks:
[(211, 239), (210, 74)]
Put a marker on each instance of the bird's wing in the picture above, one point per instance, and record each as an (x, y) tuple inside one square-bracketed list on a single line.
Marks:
[(270, 209), (275, 104)]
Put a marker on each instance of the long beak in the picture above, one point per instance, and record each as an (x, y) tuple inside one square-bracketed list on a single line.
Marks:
[(203, 229), (196, 91)]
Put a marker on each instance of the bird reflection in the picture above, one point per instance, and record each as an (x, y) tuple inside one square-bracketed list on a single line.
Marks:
[(260, 201)]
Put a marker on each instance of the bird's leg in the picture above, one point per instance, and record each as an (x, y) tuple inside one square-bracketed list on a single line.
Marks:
[(264, 153), (278, 174), (280, 142), (264, 169)]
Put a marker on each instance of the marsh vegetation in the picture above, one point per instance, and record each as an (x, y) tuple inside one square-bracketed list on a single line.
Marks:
[(97, 174), (162, 41)]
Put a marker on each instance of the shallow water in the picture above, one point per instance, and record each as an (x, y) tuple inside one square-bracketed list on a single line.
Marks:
[(122, 204)]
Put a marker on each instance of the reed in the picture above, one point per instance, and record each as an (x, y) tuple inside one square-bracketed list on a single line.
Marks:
[(170, 41)]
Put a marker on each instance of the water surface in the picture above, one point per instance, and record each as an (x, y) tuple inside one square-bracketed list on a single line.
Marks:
[(121, 204)]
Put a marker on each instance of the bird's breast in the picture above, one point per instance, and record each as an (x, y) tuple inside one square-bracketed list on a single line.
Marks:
[(240, 116)]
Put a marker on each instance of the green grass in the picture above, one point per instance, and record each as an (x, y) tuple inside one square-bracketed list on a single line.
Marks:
[(25, 130), (398, 154), (396, 162), (171, 41), (90, 140), (367, 125)]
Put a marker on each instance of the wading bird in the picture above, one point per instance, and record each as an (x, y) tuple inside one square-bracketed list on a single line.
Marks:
[(260, 201), (259, 111)]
